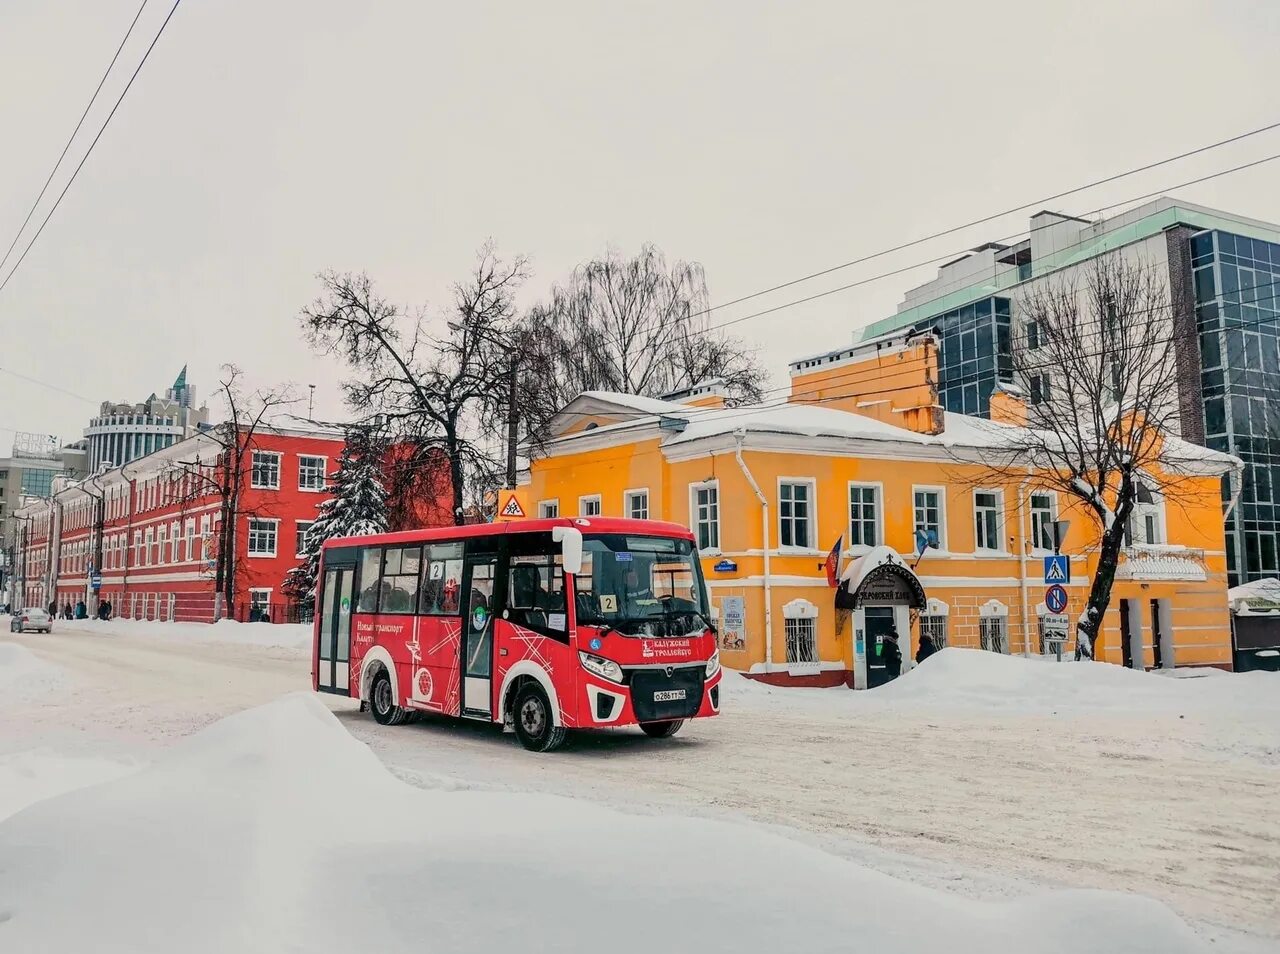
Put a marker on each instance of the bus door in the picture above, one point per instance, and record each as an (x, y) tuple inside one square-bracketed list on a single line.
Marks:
[(480, 589), (334, 667)]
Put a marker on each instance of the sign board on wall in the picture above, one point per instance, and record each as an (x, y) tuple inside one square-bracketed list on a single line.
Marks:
[(1055, 625), (733, 628)]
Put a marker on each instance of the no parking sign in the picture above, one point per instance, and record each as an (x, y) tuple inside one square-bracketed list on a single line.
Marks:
[(1055, 599)]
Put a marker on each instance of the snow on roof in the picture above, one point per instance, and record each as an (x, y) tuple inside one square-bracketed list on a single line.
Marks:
[(799, 419), (634, 401)]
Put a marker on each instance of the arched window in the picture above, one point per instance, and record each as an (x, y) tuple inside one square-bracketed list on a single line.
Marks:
[(933, 622), (993, 626), (800, 625)]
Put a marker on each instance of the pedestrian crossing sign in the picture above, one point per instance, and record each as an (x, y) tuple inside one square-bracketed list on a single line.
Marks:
[(1057, 569), (512, 508)]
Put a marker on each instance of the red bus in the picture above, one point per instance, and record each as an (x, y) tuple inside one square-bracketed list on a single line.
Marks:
[(474, 622)]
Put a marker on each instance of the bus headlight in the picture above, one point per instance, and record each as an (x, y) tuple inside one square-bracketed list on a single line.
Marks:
[(604, 668), (713, 664)]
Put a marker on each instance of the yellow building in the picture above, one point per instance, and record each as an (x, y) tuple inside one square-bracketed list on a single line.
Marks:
[(861, 453)]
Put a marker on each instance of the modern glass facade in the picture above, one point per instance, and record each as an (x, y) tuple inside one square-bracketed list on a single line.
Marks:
[(38, 482), (975, 354), (1237, 293)]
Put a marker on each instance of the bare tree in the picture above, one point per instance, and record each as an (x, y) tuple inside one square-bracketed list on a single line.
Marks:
[(1097, 359), (448, 392), (635, 325), (224, 476)]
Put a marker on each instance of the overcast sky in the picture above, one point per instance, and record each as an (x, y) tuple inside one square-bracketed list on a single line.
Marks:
[(267, 139)]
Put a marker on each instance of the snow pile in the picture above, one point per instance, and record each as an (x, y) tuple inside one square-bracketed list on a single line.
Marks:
[(275, 830), (971, 678), (281, 635), (30, 777), (25, 676)]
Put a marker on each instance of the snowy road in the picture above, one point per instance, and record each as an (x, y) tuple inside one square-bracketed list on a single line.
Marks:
[(984, 802)]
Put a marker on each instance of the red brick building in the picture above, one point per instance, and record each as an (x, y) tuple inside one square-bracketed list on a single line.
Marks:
[(152, 526)]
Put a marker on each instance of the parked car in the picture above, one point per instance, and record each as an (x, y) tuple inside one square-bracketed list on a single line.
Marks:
[(33, 619)]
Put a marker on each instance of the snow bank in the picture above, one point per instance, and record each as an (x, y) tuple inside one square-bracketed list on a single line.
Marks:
[(283, 635), (25, 676), (275, 830), (972, 678), (969, 679), (30, 777)]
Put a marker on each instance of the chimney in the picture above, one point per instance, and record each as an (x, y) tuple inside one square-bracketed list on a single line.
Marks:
[(1009, 405)]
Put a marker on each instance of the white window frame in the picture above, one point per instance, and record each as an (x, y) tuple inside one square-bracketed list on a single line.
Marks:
[(1138, 518), (942, 512), (324, 473), (1000, 521), (629, 497), (695, 521), (1048, 528), (253, 469), (586, 499), (255, 591), (878, 487), (794, 613), (297, 529), (275, 537), (811, 528), (546, 506)]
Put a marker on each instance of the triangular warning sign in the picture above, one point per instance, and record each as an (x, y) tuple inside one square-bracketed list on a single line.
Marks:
[(512, 508), (1055, 574)]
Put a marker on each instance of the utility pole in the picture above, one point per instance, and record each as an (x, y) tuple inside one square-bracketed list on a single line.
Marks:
[(311, 403), (513, 420)]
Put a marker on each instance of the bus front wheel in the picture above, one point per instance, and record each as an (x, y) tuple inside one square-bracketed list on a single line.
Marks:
[(382, 701), (661, 730), (534, 725)]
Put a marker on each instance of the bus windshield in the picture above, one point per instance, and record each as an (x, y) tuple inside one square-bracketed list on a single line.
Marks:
[(641, 586)]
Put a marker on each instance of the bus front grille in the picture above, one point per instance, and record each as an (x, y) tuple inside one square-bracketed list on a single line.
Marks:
[(646, 683)]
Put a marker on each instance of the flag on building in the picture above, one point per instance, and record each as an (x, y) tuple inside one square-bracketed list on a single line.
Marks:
[(833, 563)]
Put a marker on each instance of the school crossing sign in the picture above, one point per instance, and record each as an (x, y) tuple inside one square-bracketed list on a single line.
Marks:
[(512, 508)]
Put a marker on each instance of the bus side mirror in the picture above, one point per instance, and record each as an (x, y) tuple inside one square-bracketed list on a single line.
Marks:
[(570, 540)]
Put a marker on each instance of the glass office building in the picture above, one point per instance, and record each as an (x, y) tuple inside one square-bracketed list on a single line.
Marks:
[(975, 354), (1237, 295)]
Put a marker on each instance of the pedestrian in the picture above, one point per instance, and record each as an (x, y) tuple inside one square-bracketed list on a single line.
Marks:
[(66, 610), (927, 648), (892, 654), (82, 611), (53, 610)]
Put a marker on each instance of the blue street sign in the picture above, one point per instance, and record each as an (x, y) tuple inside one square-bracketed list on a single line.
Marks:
[(95, 582), (1057, 569), (725, 566), (1055, 599)]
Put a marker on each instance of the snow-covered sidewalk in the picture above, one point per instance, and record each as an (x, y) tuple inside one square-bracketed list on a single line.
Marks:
[(984, 776)]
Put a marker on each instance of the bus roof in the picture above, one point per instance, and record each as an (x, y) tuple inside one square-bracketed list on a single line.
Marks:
[(588, 525)]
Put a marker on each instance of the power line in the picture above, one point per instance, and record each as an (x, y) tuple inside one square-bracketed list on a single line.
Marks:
[(89, 152), (46, 384), (703, 332), (990, 218), (763, 408), (92, 99)]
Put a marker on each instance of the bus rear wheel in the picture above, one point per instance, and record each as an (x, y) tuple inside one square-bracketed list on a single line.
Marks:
[(661, 730), (382, 701), (534, 725)]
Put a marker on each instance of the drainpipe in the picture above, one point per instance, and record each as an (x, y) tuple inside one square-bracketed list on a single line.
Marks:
[(738, 436), (1024, 515)]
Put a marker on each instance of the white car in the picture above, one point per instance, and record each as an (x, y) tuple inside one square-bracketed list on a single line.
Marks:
[(31, 620)]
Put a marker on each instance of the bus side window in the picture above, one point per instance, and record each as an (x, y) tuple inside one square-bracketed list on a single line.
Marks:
[(441, 578), (535, 591), (370, 564)]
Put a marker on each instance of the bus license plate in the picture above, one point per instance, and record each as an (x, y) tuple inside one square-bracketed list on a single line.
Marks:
[(669, 695)]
